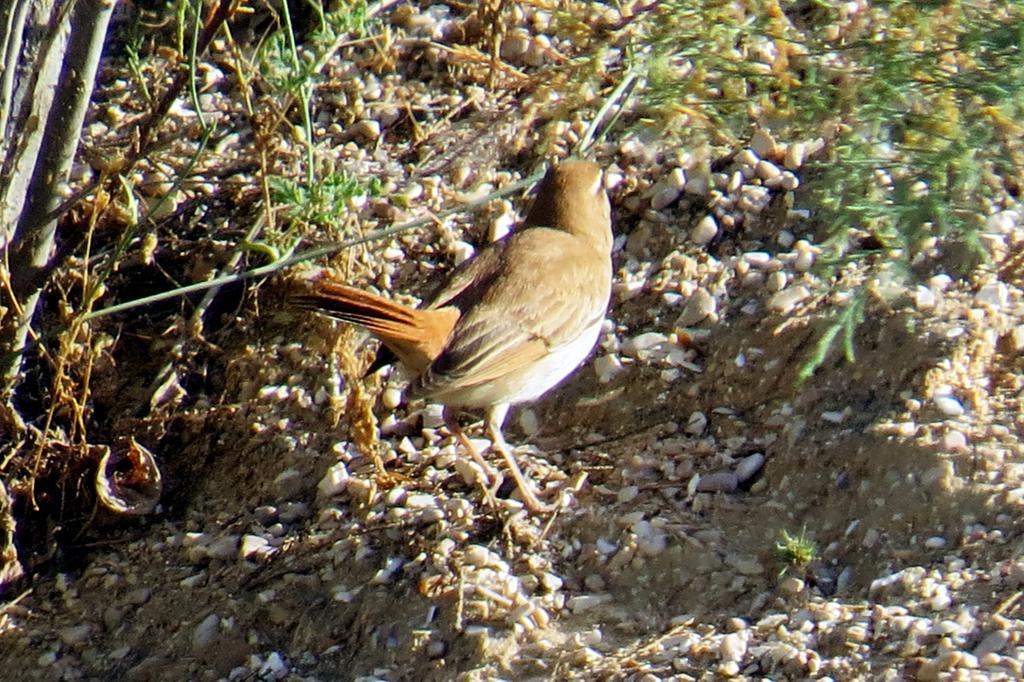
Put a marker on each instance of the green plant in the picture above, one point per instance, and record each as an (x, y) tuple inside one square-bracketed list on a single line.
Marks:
[(918, 102), (795, 551)]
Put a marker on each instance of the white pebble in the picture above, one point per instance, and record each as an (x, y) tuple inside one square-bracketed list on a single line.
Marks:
[(391, 397), (948, 405), (705, 230), (585, 602), (699, 307), (636, 345), (794, 157), (994, 293), (1003, 221), (334, 482), (935, 542), (733, 647), (529, 422), (254, 546), (776, 281), (763, 143), (461, 252), (676, 179), (766, 170), (784, 301), (608, 367), (696, 423)]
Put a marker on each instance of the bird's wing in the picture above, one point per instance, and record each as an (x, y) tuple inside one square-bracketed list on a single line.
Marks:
[(551, 288)]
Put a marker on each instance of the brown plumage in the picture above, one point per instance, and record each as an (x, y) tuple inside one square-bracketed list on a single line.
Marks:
[(510, 323)]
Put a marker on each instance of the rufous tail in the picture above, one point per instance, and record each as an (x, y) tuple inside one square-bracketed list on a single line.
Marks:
[(415, 336)]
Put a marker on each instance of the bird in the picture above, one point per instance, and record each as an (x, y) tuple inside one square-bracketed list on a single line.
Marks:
[(510, 323)]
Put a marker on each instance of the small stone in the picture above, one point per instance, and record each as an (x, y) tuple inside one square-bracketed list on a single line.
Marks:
[(784, 301), (994, 294), (763, 144), (288, 483), (607, 368), (992, 643), (791, 585), (705, 230), (732, 647), (766, 170), (462, 251), (718, 482), (948, 405), (776, 281), (433, 416), (954, 441), (795, 154), (696, 423), (529, 422), (749, 466), (391, 397), (254, 547), (676, 179), (935, 542), (637, 345), (205, 632), (225, 547), (75, 635), (1003, 222), (367, 130), (698, 185), (699, 307), (663, 197), (585, 602), (333, 483)]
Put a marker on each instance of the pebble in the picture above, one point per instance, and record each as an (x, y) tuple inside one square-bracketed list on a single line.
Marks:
[(718, 482), (794, 157), (225, 547), (75, 635), (663, 197), (608, 367), (992, 643), (699, 307), (636, 346), (791, 585), (784, 301), (334, 481), (696, 423), (763, 144), (698, 185), (205, 632), (367, 130), (255, 547), (749, 466), (585, 602), (705, 230), (288, 483), (732, 647), (766, 170), (948, 405), (994, 293)]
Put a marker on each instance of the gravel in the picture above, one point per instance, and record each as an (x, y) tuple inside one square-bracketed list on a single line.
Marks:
[(681, 451)]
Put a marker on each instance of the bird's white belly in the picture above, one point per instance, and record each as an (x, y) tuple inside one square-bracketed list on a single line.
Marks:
[(531, 381)]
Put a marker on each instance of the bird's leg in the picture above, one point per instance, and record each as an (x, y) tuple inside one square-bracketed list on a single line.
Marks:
[(495, 418), (487, 472)]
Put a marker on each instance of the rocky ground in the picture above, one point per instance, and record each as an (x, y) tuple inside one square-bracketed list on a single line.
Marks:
[(682, 453)]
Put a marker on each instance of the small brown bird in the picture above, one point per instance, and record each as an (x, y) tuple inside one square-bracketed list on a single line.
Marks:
[(510, 323)]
